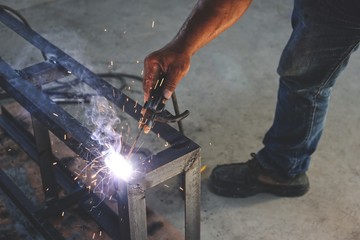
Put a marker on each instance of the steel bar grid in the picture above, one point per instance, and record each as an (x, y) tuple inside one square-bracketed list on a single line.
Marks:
[(107, 220), (183, 155)]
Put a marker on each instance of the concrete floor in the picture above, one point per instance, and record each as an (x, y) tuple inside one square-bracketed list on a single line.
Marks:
[(228, 117)]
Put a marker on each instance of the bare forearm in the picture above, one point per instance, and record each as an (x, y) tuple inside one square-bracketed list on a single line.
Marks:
[(208, 19)]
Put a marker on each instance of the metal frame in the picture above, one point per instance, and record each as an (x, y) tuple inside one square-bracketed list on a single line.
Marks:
[(183, 155)]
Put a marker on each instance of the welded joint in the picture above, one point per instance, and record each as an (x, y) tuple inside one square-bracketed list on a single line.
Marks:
[(22, 74), (52, 58), (192, 160), (136, 187)]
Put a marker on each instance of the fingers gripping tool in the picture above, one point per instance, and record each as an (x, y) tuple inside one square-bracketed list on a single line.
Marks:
[(154, 111)]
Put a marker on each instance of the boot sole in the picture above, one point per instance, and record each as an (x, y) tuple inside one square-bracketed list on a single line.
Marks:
[(294, 191)]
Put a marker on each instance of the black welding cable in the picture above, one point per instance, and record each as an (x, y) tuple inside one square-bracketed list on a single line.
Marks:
[(16, 13), (21, 18)]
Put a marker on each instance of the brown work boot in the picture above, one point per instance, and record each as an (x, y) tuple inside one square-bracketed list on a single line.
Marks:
[(250, 178)]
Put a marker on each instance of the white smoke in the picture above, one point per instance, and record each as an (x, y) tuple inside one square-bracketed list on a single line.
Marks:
[(105, 120)]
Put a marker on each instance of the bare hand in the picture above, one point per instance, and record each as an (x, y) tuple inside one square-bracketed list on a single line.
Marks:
[(168, 63)]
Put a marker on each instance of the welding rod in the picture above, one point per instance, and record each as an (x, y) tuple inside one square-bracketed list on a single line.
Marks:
[(134, 143)]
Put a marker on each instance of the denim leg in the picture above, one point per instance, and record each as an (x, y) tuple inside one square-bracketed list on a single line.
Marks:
[(325, 33)]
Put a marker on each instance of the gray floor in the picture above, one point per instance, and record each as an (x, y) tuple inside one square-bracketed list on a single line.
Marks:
[(230, 92)]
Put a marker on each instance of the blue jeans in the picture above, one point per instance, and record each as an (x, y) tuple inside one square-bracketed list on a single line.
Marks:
[(325, 33)]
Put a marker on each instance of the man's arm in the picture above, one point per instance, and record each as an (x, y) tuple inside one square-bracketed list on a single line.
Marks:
[(208, 19)]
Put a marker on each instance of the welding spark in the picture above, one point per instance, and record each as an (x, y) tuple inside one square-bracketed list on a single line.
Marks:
[(118, 165)]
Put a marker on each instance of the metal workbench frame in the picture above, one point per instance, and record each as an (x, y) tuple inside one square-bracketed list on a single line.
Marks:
[(182, 157)]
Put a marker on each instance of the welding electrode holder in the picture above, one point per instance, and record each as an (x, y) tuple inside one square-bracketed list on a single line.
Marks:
[(154, 109)]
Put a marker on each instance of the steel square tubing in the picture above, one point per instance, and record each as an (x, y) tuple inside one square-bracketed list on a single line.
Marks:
[(190, 164), (159, 169), (164, 165), (80, 140)]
